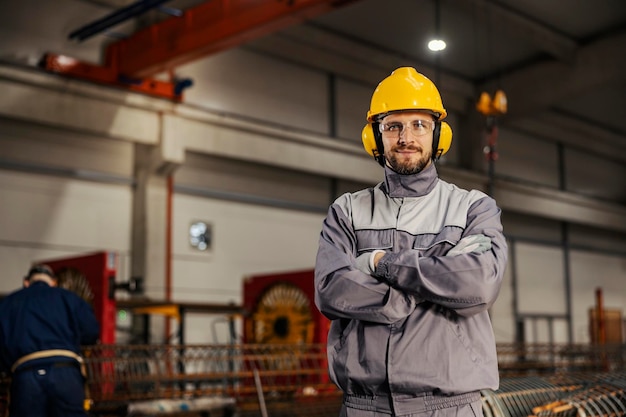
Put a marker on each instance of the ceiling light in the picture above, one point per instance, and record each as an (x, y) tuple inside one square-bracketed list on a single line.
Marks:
[(437, 45)]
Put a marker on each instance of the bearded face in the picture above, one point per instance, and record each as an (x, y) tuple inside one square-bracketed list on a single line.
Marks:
[(407, 141), (408, 159)]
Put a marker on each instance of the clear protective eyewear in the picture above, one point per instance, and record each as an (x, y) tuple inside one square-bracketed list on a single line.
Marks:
[(416, 127)]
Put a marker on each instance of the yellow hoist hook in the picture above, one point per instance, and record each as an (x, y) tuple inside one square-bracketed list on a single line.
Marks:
[(492, 107)]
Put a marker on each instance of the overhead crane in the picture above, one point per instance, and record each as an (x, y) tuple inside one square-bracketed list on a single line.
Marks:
[(210, 27)]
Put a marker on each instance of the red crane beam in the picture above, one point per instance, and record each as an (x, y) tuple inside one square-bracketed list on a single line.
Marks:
[(70, 67), (208, 28)]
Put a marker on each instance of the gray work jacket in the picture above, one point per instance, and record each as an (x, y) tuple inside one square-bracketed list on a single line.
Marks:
[(418, 326)]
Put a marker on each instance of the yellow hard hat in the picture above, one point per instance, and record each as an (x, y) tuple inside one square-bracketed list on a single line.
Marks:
[(405, 89)]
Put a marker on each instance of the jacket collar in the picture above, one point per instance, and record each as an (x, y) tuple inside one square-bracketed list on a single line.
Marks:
[(416, 185), (39, 284)]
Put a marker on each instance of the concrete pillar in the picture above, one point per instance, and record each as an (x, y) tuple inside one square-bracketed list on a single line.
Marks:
[(149, 231)]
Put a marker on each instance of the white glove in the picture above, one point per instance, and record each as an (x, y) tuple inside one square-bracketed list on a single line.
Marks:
[(365, 261), (474, 243)]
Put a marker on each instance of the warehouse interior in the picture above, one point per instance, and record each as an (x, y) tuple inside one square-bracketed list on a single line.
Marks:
[(179, 156)]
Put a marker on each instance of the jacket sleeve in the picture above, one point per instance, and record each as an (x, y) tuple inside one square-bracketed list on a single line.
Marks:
[(342, 290), (467, 283)]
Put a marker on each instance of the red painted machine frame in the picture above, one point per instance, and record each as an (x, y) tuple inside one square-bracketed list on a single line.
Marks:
[(99, 269), (255, 286)]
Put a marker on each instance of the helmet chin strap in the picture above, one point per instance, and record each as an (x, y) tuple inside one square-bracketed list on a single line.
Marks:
[(436, 132)]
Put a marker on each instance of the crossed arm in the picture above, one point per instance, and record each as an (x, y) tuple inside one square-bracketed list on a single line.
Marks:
[(384, 287)]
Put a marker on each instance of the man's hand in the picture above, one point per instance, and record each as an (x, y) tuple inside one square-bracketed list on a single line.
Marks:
[(377, 255), (474, 243), (368, 261)]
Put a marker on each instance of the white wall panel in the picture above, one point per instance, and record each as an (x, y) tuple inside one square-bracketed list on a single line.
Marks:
[(591, 271), (594, 176), (540, 279), (47, 217), (536, 331), (58, 211), (242, 82), (531, 227), (210, 329), (584, 237), (48, 147), (560, 331), (527, 158), (352, 104), (501, 313)]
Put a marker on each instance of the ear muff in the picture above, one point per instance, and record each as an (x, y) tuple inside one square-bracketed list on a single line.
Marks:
[(442, 139), (369, 142), (372, 142)]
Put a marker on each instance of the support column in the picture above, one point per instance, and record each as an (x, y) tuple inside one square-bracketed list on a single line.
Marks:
[(150, 225)]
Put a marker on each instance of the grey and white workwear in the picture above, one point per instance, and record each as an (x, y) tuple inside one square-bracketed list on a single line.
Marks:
[(414, 334)]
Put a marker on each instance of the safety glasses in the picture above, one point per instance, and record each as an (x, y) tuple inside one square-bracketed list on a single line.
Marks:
[(416, 127)]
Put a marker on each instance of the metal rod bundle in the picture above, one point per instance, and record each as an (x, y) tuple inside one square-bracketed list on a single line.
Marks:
[(564, 395)]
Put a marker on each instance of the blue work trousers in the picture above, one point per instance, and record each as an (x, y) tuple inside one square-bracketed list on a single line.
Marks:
[(49, 390)]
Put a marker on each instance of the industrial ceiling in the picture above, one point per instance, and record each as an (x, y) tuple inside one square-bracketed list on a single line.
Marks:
[(562, 63)]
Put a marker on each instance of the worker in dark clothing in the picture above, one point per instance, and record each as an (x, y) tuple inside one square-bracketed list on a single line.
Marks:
[(42, 328)]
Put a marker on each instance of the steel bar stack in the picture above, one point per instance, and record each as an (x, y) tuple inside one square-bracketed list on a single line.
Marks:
[(563, 395)]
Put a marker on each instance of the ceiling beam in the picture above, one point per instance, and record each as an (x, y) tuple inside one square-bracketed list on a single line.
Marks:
[(505, 20), (538, 88), (208, 28), (319, 48), (573, 132)]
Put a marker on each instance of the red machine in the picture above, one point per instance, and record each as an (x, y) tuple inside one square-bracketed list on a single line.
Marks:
[(280, 309), (99, 270)]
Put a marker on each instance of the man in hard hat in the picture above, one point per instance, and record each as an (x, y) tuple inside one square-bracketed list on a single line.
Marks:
[(42, 328), (406, 270)]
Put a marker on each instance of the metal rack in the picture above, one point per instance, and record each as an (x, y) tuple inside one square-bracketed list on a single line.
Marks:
[(517, 359), (292, 380), (249, 377)]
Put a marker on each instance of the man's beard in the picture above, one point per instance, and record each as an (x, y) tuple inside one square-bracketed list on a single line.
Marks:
[(407, 167)]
